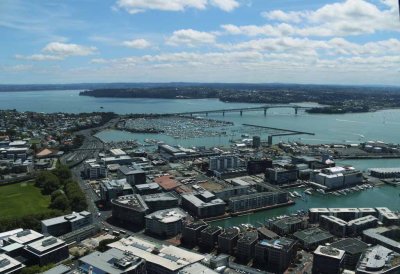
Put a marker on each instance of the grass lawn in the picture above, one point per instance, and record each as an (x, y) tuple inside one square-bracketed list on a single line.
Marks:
[(22, 199)]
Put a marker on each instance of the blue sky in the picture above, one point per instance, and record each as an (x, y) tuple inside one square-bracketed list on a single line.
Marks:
[(258, 41)]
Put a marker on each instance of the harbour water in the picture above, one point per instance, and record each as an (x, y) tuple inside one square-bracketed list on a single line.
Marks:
[(345, 128)]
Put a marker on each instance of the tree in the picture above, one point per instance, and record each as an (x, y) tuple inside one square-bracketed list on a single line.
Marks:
[(51, 184), (61, 202), (62, 172), (103, 244)]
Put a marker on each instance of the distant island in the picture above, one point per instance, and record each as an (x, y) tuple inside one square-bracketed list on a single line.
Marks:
[(337, 99)]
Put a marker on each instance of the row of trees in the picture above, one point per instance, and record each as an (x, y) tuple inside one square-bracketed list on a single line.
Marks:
[(66, 195)]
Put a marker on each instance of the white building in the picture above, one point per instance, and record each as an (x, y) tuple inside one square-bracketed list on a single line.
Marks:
[(337, 177)]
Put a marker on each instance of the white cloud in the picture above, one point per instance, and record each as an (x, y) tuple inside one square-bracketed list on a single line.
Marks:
[(225, 5), (39, 57), (137, 44), (351, 17), (63, 49), (137, 6), (190, 37), (278, 15)]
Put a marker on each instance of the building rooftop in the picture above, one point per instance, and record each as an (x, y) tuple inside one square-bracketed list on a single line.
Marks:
[(211, 229), (168, 215), (59, 269), (130, 171), (113, 261), (350, 245), (134, 201), (169, 257), (334, 220), (329, 251), (267, 233), (281, 243), (196, 225), (26, 236), (248, 237), (8, 264), (197, 268), (313, 235), (286, 222), (151, 186), (115, 184), (164, 196), (230, 233), (196, 201), (44, 244), (117, 152), (74, 216), (378, 259), (166, 182)]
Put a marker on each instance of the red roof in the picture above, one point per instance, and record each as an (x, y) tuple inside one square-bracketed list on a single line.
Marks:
[(167, 182)]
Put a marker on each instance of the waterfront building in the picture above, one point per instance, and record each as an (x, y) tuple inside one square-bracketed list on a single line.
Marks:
[(166, 259), (227, 240), (314, 214), (232, 191), (353, 249), (266, 234), (133, 175), (312, 237), (337, 177), (203, 204), (165, 223), (9, 265), (327, 260), (256, 201), (191, 233), (256, 141), (334, 225), (387, 217), (385, 173), (64, 224), (117, 152), (112, 261), (129, 209), (357, 226), (209, 237), (288, 225), (258, 166), (379, 259), (246, 244), (281, 176), (46, 251), (112, 189), (93, 170), (346, 214), (275, 255)]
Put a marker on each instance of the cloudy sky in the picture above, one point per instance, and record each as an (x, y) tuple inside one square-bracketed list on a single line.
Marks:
[(260, 41)]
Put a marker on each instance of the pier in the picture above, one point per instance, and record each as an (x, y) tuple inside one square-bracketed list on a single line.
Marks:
[(242, 110), (280, 132)]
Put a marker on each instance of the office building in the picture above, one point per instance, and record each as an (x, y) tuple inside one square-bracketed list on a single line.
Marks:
[(159, 260), (129, 210), (68, 223), (227, 240), (353, 249), (209, 237), (224, 162), (93, 170), (257, 201), (9, 265), (112, 189), (281, 176), (379, 259), (312, 237), (121, 160), (146, 189), (203, 204), (191, 233), (288, 225), (327, 260), (160, 201), (46, 251), (165, 223), (113, 261), (258, 166), (246, 244), (276, 255), (133, 175)]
